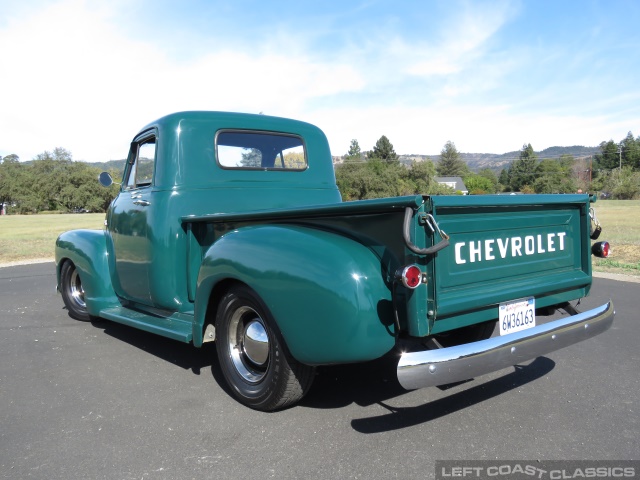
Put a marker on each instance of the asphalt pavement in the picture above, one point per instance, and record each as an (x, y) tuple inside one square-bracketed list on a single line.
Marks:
[(82, 400)]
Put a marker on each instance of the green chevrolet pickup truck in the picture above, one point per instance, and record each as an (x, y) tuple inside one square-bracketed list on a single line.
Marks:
[(230, 228)]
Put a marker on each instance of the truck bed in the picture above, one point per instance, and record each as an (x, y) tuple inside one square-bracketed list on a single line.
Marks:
[(501, 248)]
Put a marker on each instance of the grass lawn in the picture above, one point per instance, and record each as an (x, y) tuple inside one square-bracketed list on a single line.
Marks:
[(30, 237), (620, 221), (27, 237)]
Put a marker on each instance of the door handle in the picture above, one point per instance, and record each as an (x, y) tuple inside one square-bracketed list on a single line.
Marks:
[(142, 203)]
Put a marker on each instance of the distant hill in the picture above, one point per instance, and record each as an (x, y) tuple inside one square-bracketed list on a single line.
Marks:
[(117, 165), (496, 162)]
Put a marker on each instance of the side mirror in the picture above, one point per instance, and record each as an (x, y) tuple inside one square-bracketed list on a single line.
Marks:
[(105, 179)]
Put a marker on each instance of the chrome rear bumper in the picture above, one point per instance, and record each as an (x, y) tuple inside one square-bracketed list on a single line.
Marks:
[(453, 364)]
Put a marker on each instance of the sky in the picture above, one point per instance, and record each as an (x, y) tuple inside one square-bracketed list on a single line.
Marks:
[(489, 76)]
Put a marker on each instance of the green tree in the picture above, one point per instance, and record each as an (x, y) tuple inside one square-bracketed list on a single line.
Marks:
[(49, 174), (548, 166), (81, 189), (624, 184), (478, 185), (294, 160), (377, 178), (503, 179), (383, 150), (608, 158), (552, 176), (53, 181), (358, 181), (11, 158), (451, 163), (522, 172), (555, 176), (251, 157), (422, 175), (10, 174), (566, 162), (18, 186), (631, 152), (354, 154), (61, 154), (491, 176)]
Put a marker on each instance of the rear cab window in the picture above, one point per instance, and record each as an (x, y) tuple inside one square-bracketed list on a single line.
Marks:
[(256, 150)]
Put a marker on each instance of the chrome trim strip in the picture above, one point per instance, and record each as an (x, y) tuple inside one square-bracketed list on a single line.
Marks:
[(429, 368)]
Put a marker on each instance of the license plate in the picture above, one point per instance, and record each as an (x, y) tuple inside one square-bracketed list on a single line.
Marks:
[(517, 315)]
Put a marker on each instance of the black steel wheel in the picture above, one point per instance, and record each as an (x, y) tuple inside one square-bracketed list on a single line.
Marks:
[(72, 292), (253, 358)]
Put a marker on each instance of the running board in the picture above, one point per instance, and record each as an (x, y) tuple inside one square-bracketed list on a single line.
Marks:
[(178, 326)]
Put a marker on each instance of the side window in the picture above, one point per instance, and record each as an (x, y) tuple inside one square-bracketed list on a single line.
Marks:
[(143, 158), (260, 151)]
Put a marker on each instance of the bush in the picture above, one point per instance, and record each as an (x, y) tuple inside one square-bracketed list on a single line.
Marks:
[(377, 178), (623, 184)]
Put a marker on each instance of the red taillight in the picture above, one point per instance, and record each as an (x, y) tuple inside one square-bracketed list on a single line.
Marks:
[(600, 249), (410, 276)]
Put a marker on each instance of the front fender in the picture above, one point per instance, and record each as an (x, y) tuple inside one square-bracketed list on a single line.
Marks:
[(326, 292), (87, 249)]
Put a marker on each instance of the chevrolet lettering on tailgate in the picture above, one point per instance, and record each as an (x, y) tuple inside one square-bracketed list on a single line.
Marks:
[(477, 251)]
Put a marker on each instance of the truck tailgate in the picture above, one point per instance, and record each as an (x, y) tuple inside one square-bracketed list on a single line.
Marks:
[(508, 247)]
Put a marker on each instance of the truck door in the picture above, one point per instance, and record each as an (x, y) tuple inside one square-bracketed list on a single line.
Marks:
[(130, 229)]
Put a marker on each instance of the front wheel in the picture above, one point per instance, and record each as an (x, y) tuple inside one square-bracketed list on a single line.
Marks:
[(253, 358), (72, 292)]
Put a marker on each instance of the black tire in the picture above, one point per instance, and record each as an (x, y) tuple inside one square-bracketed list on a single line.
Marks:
[(72, 292), (253, 358)]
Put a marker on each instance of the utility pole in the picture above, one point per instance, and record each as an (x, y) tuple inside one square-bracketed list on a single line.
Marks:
[(620, 153)]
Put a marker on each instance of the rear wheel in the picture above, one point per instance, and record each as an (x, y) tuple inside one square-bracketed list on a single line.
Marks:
[(72, 292), (253, 357)]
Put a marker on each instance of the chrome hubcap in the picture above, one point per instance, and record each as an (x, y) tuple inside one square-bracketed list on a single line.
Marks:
[(256, 343), (248, 343), (76, 290)]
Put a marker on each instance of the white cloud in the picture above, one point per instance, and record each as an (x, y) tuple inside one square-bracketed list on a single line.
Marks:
[(71, 71), (463, 41), (73, 78), (474, 129), (79, 83)]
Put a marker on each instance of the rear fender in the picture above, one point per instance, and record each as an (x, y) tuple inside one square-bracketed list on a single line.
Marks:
[(87, 249), (326, 292)]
